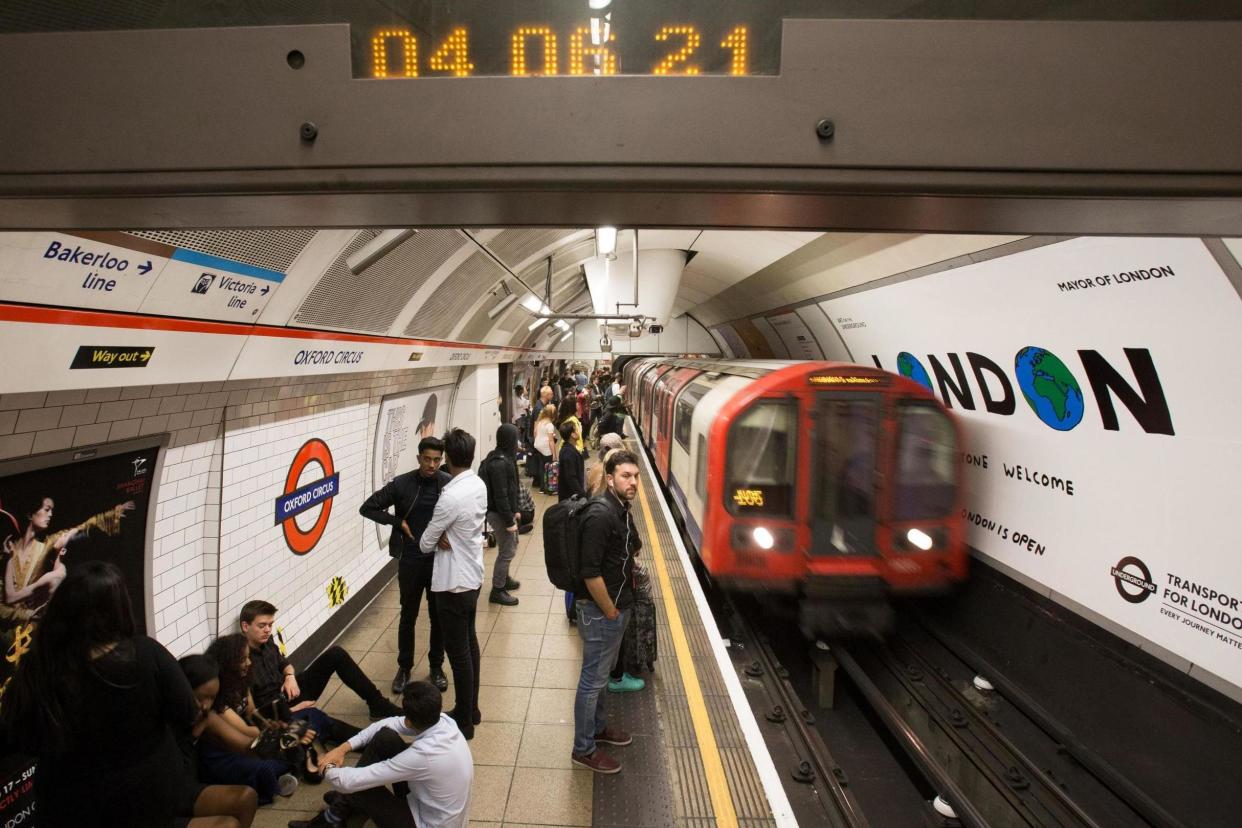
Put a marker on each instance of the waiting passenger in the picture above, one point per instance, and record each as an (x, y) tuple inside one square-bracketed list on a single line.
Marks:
[(595, 477), (609, 541), (100, 707), (573, 465), (225, 751), (504, 511), (274, 678), (456, 535), (545, 448), (613, 421), (413, 496), (569, 414), (430, 778)]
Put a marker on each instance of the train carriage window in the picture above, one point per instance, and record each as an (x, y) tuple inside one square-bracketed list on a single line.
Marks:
[(926, 473), (700, 472), (846, 446), (685, 413), (760, 463)]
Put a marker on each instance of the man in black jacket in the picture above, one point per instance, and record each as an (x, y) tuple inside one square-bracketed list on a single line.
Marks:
[(608, 543), (504, 510), (573, 465), (412, 497)]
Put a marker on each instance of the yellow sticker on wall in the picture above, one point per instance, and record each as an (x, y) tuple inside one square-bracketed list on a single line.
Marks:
[(280, 640), (337, 590)]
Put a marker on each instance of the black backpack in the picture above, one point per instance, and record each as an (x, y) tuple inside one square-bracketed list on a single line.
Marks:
[(562, 530)]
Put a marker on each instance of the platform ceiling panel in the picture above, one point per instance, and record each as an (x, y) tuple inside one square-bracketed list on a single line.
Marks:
[(452, 299), (273, 248)]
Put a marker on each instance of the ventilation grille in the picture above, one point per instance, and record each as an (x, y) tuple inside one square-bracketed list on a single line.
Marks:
[(369, 301), (452, 300), (514, 247), (273, 249)]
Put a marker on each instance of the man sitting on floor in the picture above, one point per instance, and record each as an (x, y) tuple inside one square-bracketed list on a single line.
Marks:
[(430, 778), (272, 676)]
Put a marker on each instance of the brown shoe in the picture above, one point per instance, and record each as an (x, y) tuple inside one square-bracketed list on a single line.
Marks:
[(598, 761), (614, 736)]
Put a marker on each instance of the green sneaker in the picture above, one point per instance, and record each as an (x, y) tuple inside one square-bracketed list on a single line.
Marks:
[(627, 684)]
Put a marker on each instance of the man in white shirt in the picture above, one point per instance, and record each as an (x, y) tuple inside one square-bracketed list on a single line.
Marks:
[(430, 778), (456, 535)]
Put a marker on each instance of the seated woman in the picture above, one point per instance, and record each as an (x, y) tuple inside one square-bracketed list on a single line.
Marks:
[(100, 707), (225, 751)]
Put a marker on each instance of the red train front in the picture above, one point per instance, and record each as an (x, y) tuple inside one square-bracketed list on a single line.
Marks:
[(831, 484)]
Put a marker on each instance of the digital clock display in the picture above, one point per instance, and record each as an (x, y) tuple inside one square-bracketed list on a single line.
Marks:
[(574, 38)]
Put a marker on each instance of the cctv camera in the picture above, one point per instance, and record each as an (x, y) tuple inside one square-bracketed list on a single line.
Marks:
[(636, 329)]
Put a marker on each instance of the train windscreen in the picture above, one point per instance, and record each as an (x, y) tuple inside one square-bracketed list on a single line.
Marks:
[(926, 473), (761, 460), (847, 432)]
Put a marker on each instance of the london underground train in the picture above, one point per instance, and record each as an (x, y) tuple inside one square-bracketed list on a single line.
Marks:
[(829, 485)]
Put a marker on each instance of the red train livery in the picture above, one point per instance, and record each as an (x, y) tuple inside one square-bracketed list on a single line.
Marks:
[(831, 484)]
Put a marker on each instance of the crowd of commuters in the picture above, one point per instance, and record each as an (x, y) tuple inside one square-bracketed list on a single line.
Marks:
[(125, 734)]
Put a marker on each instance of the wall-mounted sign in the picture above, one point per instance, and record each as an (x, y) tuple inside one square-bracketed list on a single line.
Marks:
[(110, 356), (337, 591), (297, 499)]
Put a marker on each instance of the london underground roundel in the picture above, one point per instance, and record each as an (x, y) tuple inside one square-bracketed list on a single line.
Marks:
[(298, 499)]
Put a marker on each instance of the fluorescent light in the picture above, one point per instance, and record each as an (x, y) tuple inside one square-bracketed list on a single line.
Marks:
[(599, 4), (562, 324), (567, 336), (606, 242), (536, 324), (501, 305), (377, 248)]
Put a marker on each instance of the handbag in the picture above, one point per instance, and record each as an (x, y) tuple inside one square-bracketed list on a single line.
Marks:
[(280, 740)]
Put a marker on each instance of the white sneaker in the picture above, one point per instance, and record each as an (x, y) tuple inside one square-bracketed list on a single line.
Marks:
[(286, 784)]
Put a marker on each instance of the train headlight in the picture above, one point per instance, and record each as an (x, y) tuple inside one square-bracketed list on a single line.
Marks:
[(763, 538), (919, 538), (751, 538)]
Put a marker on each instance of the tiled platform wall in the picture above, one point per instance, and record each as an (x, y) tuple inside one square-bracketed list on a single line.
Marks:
[(215, 544)]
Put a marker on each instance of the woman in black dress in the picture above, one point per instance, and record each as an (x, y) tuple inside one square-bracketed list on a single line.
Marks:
[(99, 706)]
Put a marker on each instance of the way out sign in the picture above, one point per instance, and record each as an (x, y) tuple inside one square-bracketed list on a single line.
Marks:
[(110, 356), (297, 499)]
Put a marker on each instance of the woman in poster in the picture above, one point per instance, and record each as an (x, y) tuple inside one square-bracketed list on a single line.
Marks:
[(33, 567)]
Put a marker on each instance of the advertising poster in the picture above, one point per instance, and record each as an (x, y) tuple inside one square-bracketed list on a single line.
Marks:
[(1097, 383), (405, 419), (52, 519)]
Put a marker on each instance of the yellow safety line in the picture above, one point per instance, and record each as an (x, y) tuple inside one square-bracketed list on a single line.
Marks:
[(717, 784)]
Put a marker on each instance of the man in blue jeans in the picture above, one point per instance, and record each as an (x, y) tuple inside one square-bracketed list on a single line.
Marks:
[(608, 544)]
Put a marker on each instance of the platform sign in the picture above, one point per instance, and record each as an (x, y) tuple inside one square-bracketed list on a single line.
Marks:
[(797, 337), (1098, 386), (101, 271), (208, 287)]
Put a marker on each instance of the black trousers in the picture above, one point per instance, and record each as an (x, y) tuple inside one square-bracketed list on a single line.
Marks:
[(461, 645), (413, 579), (335, 660), (388, 808)]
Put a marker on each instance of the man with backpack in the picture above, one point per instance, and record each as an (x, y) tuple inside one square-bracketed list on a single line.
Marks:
[(412, 497), (606, 543), (504, 511)]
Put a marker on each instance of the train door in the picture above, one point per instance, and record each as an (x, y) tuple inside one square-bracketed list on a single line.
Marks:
[(845, 452), (673, 383)]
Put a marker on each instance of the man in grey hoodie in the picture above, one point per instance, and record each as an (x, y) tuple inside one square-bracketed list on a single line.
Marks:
[(504, 512)]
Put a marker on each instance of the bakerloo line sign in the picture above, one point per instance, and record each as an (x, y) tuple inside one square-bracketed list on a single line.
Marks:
[(1050, 389)]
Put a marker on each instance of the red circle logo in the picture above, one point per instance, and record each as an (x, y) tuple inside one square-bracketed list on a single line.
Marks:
[(297, 499)]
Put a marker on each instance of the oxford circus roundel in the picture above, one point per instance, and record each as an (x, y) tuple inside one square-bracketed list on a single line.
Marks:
[(297, 499)]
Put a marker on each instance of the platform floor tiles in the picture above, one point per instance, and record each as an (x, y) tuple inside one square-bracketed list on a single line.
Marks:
[(531, 658)]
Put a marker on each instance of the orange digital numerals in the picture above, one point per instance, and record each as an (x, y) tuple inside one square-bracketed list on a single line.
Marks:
[(592, 51)]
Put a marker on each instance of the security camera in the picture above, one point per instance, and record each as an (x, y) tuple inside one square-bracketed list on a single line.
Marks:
[(656, 329), (605, 344), (636, 329)]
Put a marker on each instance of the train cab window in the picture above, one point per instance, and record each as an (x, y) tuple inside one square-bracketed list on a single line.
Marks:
[(926, 473), (846, 444), (700, 471), (760, 463)]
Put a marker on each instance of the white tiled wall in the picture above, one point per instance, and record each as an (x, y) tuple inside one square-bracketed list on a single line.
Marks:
[(214, 542)]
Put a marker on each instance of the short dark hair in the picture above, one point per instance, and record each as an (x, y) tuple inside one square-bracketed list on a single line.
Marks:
[(421, 704), (568, 431), (199, 669), (459, 446), (253, 609), (433, 443), (619, 458), (519, 389)]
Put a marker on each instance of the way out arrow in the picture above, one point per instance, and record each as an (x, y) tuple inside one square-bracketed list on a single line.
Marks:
[(146, 355), (144, 269), (264, 291)]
